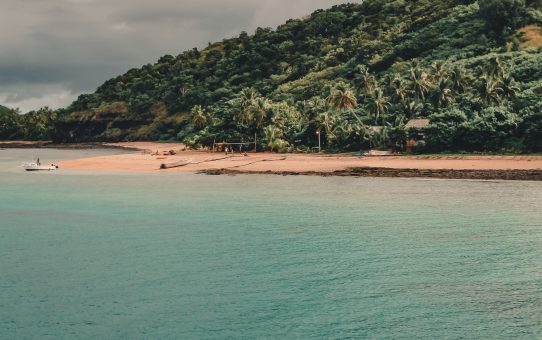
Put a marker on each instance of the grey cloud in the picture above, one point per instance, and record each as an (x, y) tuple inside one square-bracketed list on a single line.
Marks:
[(53, 50)]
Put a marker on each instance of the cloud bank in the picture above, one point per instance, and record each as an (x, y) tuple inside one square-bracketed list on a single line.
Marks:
[(54, 50)]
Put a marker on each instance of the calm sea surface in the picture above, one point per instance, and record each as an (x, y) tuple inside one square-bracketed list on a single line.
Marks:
[(183, 256)]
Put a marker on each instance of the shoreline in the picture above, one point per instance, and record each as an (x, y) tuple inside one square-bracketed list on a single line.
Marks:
[(150, 157), (62, 146)]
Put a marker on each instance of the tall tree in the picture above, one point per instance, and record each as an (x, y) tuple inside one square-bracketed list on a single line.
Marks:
[(490, 90), (342, 97), (419, 82), (364, 80), (400, 90), (497, 69), (412, 108), (509, 86), (273, 135), (440, 70), (39, 124), (460, 79), (243, 104), (259, 108), (442, 93), (199, 117), (379, 104)]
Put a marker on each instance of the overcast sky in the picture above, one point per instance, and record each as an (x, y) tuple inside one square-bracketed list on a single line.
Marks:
[(54, 50)]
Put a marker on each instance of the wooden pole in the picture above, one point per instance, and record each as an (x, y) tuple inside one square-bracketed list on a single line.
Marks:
[(319, 142), (255, 142)]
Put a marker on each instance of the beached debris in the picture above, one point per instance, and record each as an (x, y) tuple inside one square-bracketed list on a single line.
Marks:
[(190, 161), (178, 164)]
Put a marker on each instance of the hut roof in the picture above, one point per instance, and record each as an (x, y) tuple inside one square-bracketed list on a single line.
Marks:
[(417, 123)]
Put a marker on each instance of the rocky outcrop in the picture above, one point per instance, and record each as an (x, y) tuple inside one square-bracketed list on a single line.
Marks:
[(512, 174)]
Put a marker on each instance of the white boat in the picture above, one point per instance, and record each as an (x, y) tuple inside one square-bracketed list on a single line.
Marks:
[(38, 167)]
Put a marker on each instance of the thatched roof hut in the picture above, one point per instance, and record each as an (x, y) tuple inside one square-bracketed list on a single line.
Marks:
[(418, 123)]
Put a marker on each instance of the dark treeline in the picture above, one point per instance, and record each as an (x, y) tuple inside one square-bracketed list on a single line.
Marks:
[(468, 66), (34, 125)]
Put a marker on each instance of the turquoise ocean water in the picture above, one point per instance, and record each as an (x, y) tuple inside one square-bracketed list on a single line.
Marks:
[(184, 256)]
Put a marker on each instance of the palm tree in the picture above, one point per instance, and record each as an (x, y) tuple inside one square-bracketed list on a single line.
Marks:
[(184, 91), (343, 130), (243, 102), (400, 91), (273, 135), (509, 86), (442, 93), (379, 104), (199, 117), (326, 121), (440, 71), (497, 69), (419, 82), (259, 109), (342, 98), (412, 108), (490, 89), (398, 132), (460, 79), (365, 81), (314, 106)]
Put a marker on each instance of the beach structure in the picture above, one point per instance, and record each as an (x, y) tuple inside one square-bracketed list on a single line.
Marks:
[(418, 123), (414, 129), (234, 146)]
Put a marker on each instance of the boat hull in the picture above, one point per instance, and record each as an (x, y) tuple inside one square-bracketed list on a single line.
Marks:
[(35, 167), (48, 169)]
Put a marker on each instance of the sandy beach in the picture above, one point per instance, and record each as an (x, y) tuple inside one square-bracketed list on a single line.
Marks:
[(150, 157)]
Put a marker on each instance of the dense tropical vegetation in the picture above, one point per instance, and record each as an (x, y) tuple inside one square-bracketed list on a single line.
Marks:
[(356, 73), (34, 125)]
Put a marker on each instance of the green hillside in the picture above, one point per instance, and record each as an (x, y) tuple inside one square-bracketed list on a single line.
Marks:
[(465, 65), (4, 109)]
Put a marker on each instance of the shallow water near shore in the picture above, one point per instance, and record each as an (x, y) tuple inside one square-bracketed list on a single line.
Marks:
[(194, 256)]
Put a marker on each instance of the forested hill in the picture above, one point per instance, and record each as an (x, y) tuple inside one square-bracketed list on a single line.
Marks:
[(471, 67), (4, 109)]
